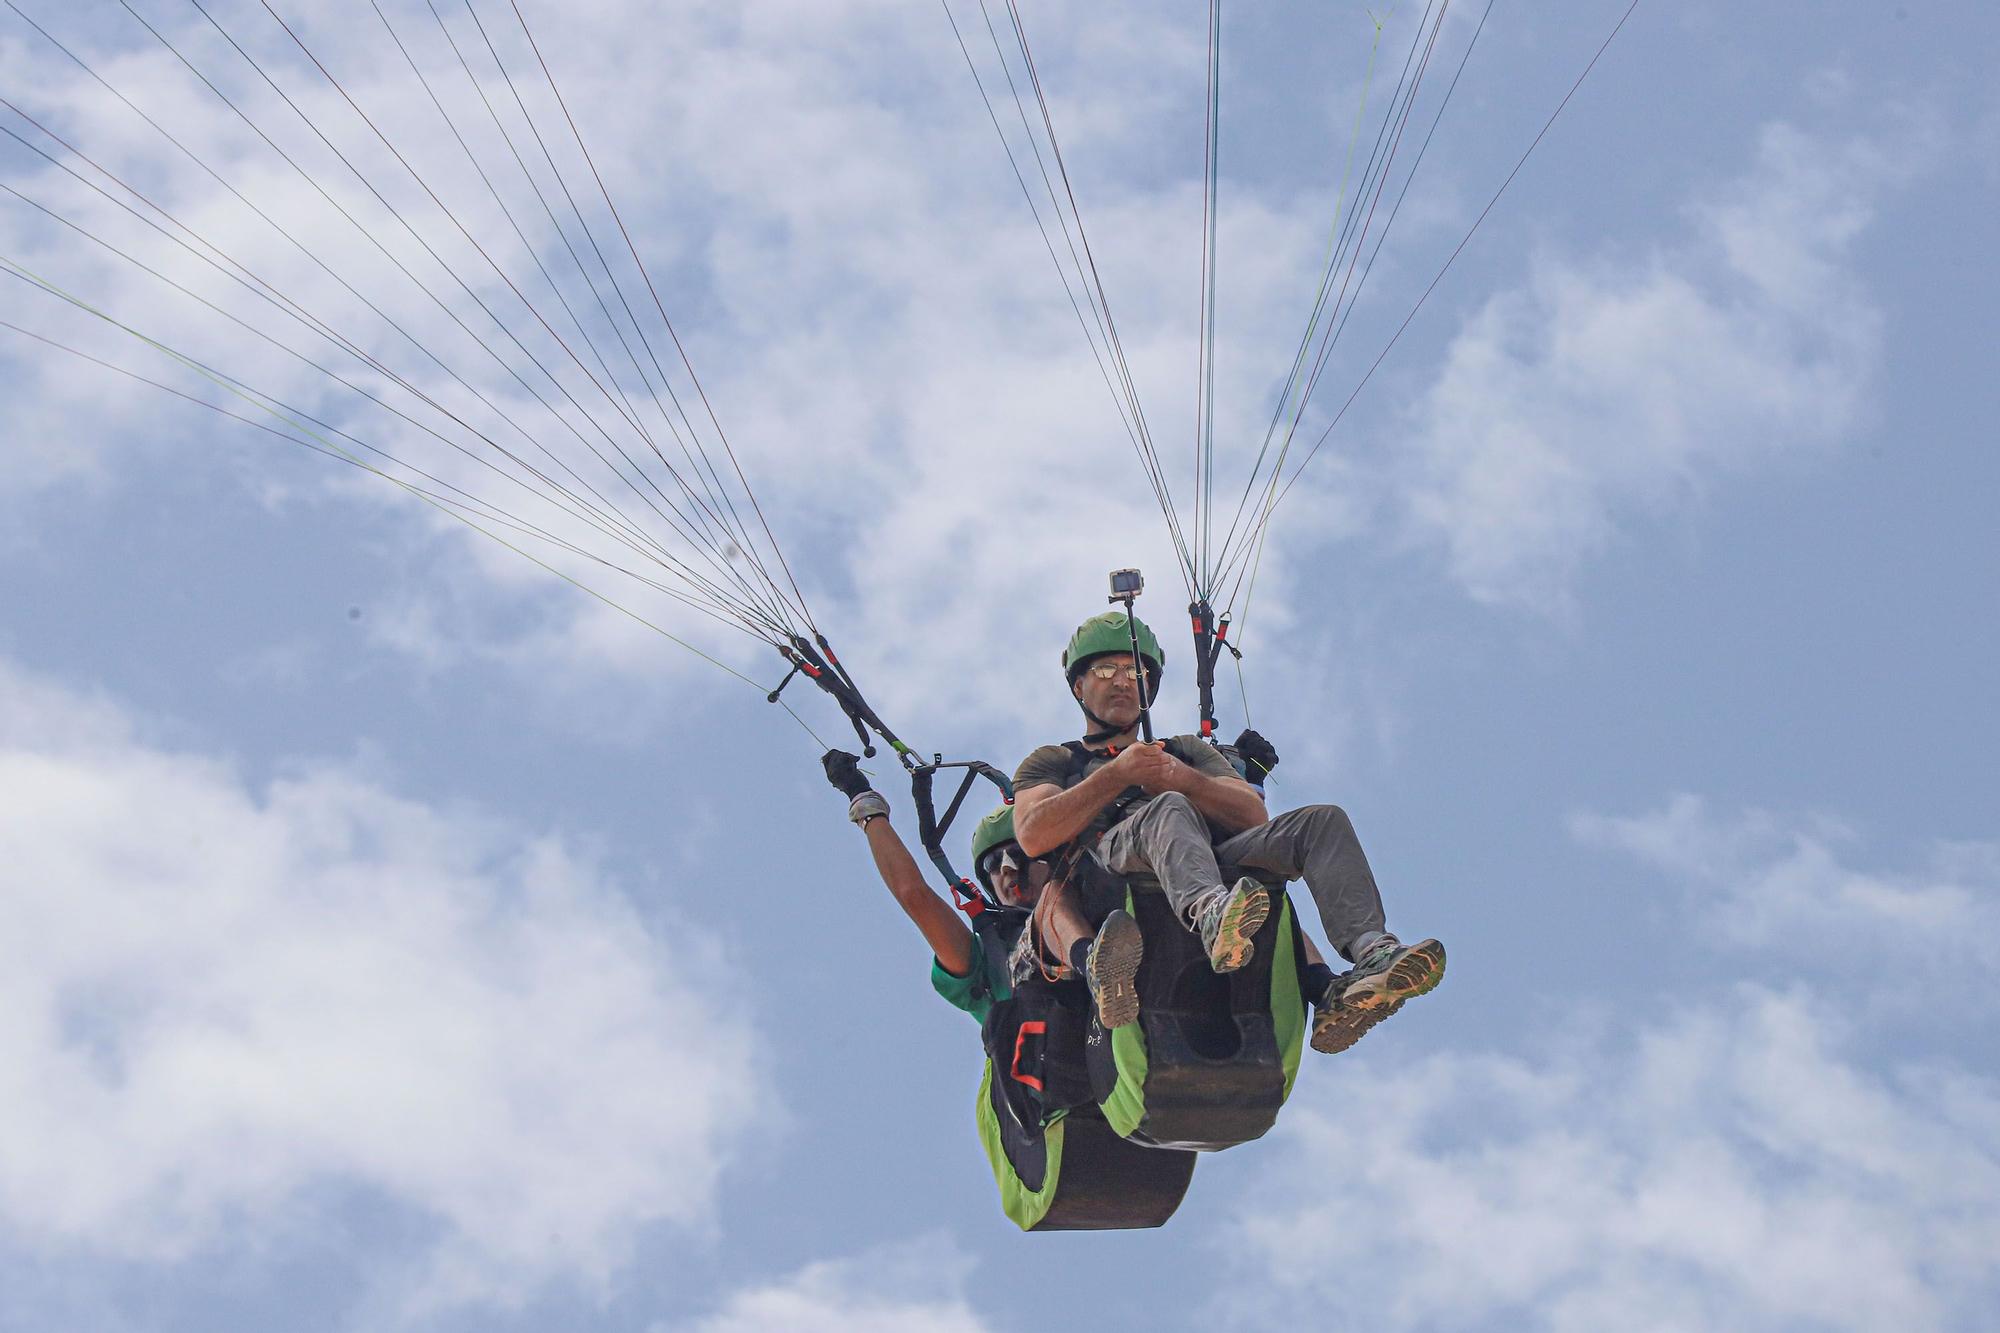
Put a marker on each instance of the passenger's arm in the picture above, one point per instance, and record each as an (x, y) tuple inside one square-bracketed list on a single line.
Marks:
[(942, 926), (948, 935)]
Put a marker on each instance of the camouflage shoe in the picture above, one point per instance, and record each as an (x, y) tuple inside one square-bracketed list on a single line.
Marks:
[(1226, 919), (1111, 968), (1387, 975)]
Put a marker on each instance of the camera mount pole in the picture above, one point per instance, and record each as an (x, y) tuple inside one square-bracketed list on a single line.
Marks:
[(1125, 591)]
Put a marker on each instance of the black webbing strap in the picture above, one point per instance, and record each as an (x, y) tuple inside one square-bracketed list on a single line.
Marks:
[(823, 668), (1211, 636), (970, 896)]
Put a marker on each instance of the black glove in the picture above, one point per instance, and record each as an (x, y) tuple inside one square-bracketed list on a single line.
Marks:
[(843, 770), (1258, 752)]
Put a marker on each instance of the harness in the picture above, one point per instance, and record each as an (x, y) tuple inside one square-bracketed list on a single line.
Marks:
[(1081, 757)]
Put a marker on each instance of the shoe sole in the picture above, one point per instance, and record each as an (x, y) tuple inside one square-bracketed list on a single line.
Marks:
[(1417, 972), (1243, 918), (1372, 999), (1336, 1027), (1114, 965)]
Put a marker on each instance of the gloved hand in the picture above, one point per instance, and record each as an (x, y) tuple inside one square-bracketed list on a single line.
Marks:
[(843, 770), (1258, 752)]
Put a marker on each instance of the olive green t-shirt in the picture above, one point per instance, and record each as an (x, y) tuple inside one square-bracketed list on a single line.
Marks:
[(1048, 765)]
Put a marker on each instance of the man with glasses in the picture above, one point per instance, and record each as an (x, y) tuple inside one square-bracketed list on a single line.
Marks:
[(1177, 810), (1056, 940)]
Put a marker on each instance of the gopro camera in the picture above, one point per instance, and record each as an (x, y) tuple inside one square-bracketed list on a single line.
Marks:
[(1126, 584)]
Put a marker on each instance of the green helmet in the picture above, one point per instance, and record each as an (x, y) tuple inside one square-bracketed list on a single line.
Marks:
[(993, 830), (1108, 633)]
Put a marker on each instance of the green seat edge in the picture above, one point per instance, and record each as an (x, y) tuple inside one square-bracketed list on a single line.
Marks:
[(1125, 1107), (1288, 1006), (1024, 1207)]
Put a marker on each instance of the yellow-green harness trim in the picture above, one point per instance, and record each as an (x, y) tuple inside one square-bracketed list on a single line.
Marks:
[(1023, 1206)]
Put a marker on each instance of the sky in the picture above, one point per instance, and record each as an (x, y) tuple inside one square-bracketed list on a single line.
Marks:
[(398, 937)]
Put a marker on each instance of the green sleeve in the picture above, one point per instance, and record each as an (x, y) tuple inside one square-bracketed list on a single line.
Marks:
[(1048, 765), (976, 991)]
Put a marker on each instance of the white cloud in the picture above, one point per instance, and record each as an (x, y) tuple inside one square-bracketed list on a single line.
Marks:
[(915, 1288), (217, 997), (835, 231), (1740, 1155), (1729, 1165), (1783, 888), (1607, 391), (834, 228)]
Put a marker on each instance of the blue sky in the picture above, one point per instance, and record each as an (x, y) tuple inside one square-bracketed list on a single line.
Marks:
[(397, 938)]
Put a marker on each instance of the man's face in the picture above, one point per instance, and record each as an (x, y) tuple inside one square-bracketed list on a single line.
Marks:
[(1012, 885), (1116, 699)]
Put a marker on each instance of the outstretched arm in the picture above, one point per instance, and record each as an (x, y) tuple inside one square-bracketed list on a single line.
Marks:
[(943, 929)]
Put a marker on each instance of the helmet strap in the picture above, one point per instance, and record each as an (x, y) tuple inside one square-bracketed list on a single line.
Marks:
[(1105, 730)]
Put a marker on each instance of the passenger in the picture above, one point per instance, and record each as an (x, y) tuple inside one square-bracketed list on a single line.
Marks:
[(1055, 938)]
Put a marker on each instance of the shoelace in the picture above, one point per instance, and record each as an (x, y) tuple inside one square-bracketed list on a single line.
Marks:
[(1378, 955)]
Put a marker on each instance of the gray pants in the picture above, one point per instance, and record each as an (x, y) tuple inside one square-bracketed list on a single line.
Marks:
[(1167, 838)]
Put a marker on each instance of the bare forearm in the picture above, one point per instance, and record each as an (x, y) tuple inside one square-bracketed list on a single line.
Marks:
[(1228, 802), (893, 860), (949, 937), (1043, 824)]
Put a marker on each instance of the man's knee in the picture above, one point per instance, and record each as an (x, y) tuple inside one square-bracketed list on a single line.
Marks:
[(1332, 814), (1172, 805), (1323, 819)]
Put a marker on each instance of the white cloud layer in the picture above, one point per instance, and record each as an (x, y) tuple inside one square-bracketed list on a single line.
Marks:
[(1607, 391), (217, 998), (876, 320), (915, 1288), (1781, 887), (832, 224), (1742, 1157), (1729, 1166)]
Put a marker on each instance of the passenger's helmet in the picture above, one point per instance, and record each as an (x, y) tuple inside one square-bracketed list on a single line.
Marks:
[(991, 831)]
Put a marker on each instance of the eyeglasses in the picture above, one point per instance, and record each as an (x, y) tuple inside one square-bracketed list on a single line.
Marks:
[(1008, 855), (1116, 671)]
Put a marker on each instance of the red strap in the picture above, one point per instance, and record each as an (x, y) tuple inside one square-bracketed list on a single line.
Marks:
[(1038, 1028)]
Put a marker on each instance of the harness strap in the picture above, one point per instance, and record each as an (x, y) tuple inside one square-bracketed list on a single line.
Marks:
[(1211, 637), (967, 895)]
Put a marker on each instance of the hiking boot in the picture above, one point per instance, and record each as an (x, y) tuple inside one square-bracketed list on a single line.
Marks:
[(1227, 918), (1111, 967), (1387, 975)]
